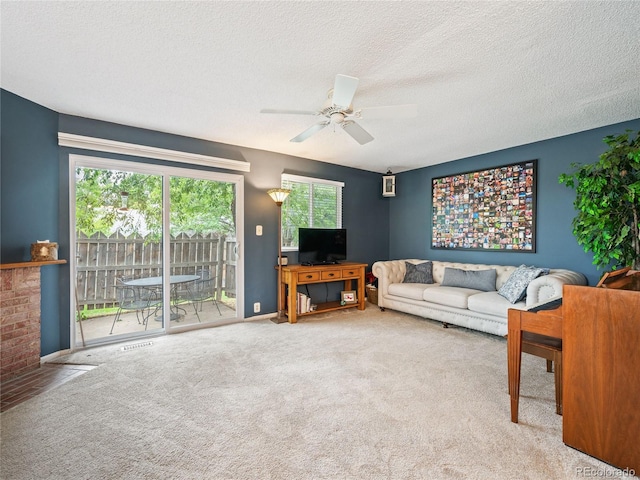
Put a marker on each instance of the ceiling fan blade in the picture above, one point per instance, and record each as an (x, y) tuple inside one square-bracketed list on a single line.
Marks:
[(344, 89), (310, 131), (391, 111), (292, 112), (359, 134)]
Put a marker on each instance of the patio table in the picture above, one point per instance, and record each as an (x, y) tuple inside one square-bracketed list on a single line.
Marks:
[(174, 281)]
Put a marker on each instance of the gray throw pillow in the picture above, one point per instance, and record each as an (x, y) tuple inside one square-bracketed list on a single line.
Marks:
[(420, 273), (484, 280), (515, 288)]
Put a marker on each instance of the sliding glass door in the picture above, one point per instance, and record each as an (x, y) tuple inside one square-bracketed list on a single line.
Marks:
[(156, 249), (118, 243), (203, 250)]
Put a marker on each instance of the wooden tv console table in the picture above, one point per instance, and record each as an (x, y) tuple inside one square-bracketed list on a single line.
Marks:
[(294, 275)]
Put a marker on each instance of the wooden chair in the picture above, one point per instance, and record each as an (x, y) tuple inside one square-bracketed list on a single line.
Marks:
[(535, 333)]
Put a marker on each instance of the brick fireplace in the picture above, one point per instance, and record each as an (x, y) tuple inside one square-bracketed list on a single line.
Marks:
[(20, 318)]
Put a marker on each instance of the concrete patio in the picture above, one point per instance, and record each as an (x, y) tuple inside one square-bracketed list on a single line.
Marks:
[(99, 327)]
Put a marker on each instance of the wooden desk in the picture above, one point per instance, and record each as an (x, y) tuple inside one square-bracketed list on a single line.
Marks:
[(601, 350), (294, 275), (544, 322)]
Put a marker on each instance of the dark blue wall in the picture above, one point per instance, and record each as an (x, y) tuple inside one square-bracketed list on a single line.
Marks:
[(29, 199), (410, 213), (45, 177), (367, 241), (35, 196)]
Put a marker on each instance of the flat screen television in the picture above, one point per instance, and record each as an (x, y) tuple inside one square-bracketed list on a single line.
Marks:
[(322, 246)]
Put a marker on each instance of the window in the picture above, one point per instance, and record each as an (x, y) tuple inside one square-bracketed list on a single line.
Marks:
[(313, 203)]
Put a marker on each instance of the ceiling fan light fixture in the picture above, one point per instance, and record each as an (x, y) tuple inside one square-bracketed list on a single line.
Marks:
[(337, 117), (338, 110)]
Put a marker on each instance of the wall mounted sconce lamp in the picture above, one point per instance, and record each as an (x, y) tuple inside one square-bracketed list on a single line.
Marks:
[(388, 184)]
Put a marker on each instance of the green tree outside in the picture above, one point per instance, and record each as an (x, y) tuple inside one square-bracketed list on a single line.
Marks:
[(197, 206), (308, 206)]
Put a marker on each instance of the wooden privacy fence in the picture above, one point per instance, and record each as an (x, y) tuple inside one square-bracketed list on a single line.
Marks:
[(101, 259)]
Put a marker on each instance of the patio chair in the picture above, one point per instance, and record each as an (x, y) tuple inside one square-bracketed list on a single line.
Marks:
[(182, 293), (203, 273), (144, 301), (142, 294), (205, 289)]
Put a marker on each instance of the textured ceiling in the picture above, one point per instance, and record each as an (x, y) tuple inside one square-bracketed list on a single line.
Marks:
[(484, 75)]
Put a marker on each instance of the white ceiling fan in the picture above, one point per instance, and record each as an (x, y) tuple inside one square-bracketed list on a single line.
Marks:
[(338, 110)]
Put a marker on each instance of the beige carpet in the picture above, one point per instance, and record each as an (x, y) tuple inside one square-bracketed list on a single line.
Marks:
[(350, 395)]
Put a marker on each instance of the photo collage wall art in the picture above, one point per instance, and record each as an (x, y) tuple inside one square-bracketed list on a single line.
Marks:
[(491, 209)]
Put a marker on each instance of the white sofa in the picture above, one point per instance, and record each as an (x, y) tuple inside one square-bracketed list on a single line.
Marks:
[(466, 307)]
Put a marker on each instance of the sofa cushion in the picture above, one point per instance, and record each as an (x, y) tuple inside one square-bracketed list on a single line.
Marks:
[(450, 296), (484, 280), (515, 288), (492, 303), (409, 290), (418, 273)]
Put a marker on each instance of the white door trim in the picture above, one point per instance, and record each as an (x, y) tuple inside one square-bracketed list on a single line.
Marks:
[(76, 160)]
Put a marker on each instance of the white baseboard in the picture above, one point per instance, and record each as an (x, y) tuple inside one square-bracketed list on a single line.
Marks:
[(53, 356), (265, 316)]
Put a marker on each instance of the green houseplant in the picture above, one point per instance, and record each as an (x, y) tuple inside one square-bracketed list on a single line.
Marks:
[(608, 203)]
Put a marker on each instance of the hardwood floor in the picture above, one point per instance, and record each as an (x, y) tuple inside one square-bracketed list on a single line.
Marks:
[(47, 377)]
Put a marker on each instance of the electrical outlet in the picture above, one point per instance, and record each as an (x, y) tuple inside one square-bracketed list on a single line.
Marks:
[(258, 230), (256, 307)]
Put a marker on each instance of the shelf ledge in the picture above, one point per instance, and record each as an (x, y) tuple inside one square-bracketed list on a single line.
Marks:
[(6, 266)]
